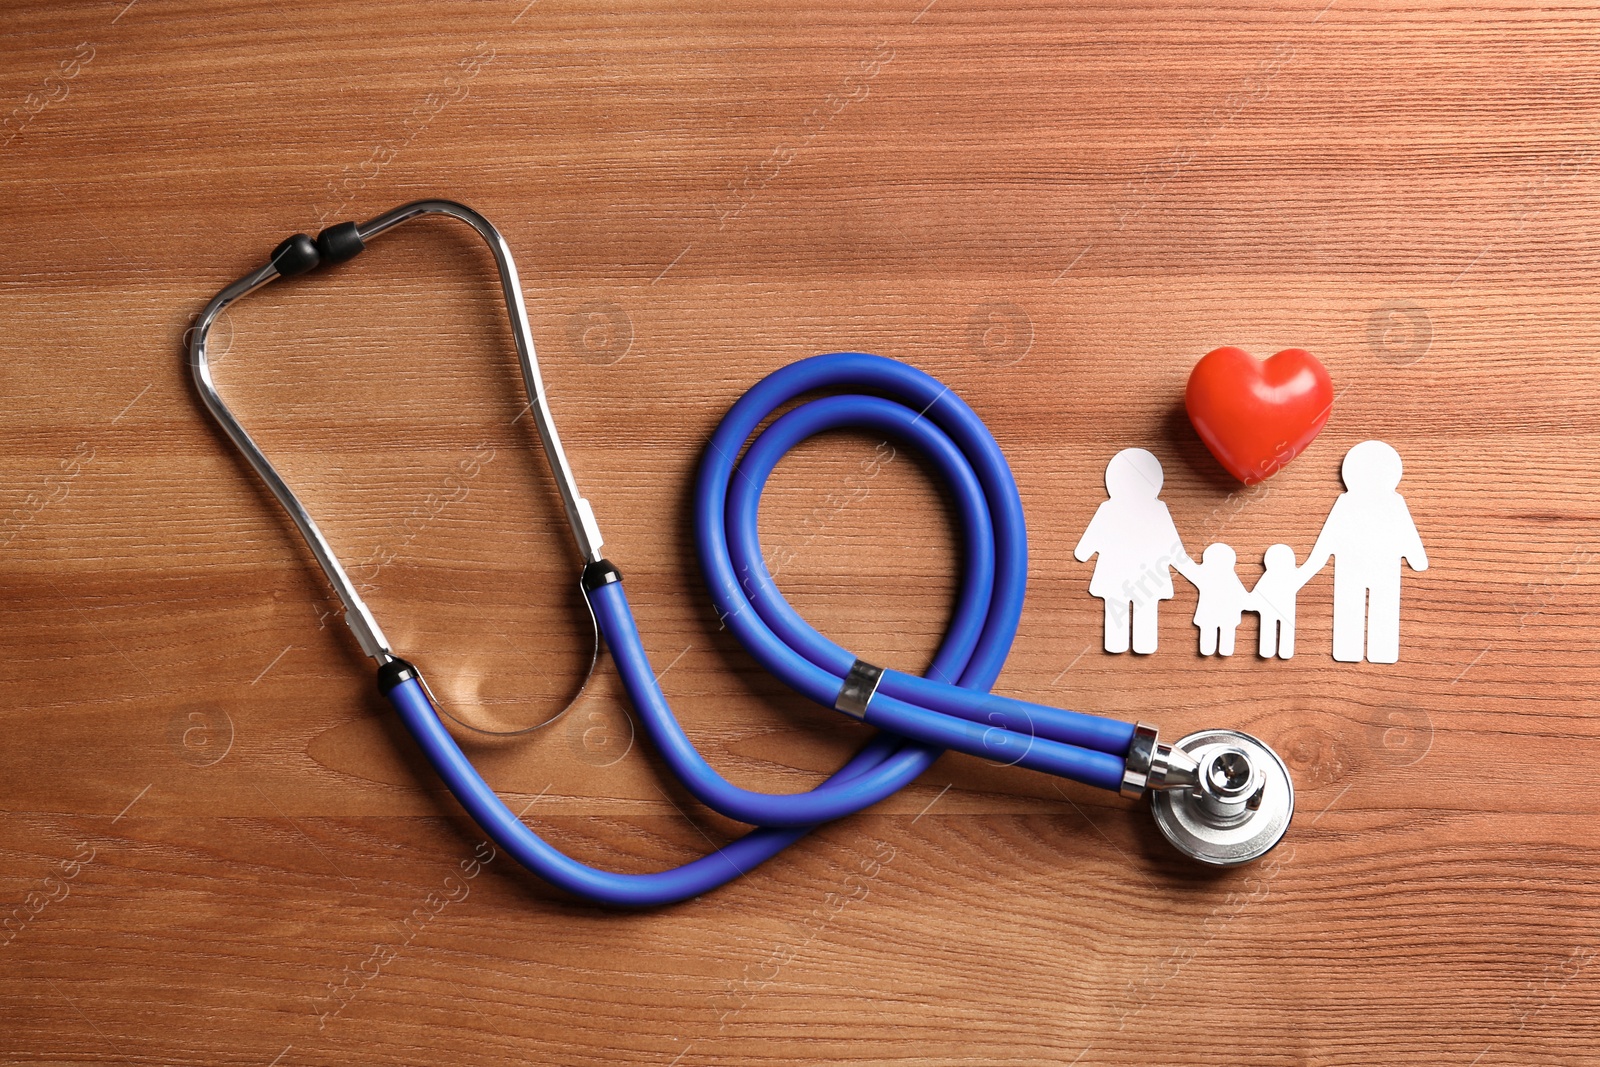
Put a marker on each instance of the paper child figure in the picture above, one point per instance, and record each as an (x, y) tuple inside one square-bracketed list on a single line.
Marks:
[(1368, 532), (1137, 543), (1223, 600), (1273, 598)]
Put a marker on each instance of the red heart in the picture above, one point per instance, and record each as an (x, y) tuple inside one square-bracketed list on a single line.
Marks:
[(1257, 415)]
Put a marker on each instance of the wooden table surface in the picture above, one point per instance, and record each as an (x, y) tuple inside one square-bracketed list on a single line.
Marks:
[(218, 847)]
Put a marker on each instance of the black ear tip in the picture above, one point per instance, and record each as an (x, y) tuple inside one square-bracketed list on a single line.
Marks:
[(339, 243), (296, 255)]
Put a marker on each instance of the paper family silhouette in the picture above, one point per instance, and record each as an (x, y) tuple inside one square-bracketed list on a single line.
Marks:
[(1368, 534)]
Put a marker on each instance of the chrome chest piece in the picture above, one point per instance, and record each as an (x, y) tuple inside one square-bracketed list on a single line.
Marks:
[(1220, 796)]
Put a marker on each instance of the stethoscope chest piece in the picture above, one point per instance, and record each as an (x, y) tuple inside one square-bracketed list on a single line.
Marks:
[(1240, 807)]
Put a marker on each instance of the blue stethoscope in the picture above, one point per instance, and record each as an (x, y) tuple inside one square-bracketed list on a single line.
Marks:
[(1220, 796)]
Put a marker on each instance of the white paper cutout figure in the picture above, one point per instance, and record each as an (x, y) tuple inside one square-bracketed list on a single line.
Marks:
[(1273, 599), (1134, 536), (1223, 600), (1368, 533)]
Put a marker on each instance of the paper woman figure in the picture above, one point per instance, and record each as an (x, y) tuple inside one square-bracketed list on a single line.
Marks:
[(1137, 543)]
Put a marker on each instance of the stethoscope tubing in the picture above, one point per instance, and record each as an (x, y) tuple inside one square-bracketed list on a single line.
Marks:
[(920, 716)]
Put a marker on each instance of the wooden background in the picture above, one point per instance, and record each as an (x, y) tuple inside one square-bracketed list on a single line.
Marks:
[(217, 846)]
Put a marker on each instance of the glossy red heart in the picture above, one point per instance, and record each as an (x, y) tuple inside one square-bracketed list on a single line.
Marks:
[(1257, 415)]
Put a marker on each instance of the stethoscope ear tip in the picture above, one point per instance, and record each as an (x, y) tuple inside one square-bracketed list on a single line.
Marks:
[(301, 254), (296, 255), (1240, 806)]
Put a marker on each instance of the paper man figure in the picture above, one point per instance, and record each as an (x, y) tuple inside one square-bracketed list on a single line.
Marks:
[(1368, 532), (1137, 543), (1223, 600), (1273, 598)]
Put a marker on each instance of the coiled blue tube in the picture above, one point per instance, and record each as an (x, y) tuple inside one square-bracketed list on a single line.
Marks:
[(920, 716)]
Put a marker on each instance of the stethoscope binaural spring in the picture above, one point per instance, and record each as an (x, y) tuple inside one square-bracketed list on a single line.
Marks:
[(1220, 796)]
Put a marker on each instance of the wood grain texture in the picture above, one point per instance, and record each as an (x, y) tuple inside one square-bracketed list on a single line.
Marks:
[(218, 848)]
